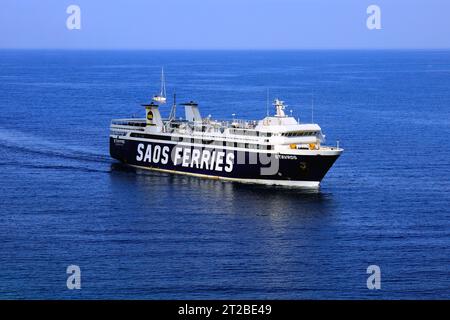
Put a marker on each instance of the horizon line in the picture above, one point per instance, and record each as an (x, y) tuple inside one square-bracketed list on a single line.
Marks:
[(233, 49)]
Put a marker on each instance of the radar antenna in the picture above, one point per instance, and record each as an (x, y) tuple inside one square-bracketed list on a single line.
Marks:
[(279, 106)]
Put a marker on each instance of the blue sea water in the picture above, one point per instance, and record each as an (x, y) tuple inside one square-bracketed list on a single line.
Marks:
[(139, 234)]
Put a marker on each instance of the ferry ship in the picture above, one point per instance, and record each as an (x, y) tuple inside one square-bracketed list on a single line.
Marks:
[(277, 150)]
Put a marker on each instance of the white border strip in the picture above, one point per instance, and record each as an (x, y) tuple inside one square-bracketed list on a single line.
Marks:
[(289, 183)]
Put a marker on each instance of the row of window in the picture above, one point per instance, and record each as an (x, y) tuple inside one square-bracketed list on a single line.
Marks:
[(250, 133), (300, 133), (225, 143), (118, 133)]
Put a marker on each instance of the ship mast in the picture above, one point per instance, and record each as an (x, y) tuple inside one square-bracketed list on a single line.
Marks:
[(173, 111)]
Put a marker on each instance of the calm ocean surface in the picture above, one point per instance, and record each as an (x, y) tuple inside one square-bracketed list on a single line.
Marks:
[(138, 234)]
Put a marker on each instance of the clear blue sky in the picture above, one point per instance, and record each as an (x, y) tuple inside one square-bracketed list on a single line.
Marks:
[(224, 24)]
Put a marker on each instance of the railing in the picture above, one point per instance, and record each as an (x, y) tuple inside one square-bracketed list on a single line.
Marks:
[(129, 122), (241, 128), (234, 123)]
